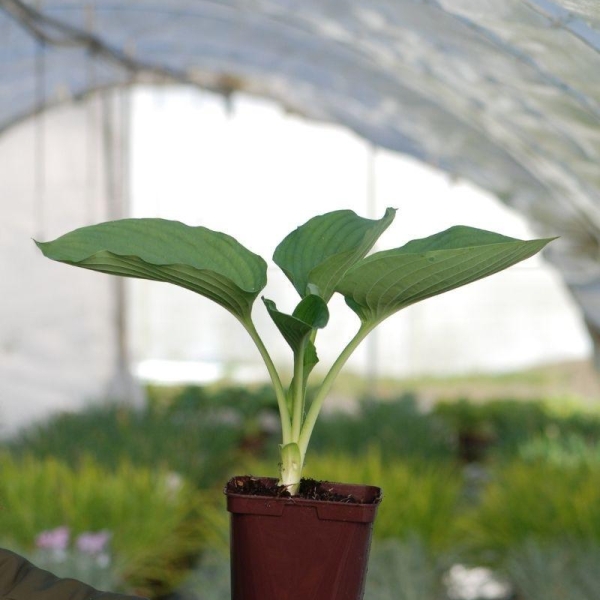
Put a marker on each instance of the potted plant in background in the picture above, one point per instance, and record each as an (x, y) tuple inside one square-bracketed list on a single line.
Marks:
[(473, 429), (294, 539)]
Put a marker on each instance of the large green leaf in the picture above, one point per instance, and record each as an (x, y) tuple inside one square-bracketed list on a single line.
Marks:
[(388, 281), (317, 254), (207, 262)]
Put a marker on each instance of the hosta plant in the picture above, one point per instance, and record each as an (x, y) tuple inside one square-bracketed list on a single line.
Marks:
[(327, 255)]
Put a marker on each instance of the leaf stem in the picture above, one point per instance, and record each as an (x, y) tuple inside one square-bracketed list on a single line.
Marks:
[(317, 403), (298, 391), (284, 413)]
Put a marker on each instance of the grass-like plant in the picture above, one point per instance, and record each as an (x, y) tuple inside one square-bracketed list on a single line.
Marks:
[(554, 571), (538, 501), (326, 255), (152, 514), (570, 450), (184, 441), (397, 427)]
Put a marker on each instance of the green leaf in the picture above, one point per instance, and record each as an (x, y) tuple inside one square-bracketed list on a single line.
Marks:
[(311, 313), (318, 253), (388, 281), (207, 262)]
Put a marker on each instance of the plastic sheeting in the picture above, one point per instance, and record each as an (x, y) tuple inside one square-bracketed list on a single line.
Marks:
[(505, 93)]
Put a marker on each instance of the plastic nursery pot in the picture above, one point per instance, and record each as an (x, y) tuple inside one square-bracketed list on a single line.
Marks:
[(299, 549)]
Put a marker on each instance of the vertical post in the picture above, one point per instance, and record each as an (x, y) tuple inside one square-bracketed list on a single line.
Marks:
[(372, 342), (91, 127), (115, 133), (39, 140)]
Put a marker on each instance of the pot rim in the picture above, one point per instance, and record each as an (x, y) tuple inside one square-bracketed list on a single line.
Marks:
[(361, 490), (326, 509)]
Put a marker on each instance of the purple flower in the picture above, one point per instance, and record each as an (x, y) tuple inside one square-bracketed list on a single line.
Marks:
[(93, 542), (53, 539)]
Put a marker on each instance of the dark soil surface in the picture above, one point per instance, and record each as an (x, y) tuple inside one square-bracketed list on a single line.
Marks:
[(310, 489)]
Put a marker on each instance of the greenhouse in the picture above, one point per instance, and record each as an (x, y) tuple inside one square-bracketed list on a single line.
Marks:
[(250, 117)]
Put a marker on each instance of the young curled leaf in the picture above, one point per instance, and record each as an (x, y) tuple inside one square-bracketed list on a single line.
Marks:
[(311, 313)]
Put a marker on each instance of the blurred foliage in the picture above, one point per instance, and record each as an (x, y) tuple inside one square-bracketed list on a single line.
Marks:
[(397, 426), (406, 570), (545, 502), (500, 427), (154, 476), (210, 580), (247, 402), (251, 412), (159, 523), (566, 451), (565, 571), (200, 446)]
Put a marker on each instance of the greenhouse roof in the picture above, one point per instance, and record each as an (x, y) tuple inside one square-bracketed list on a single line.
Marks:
[(505, 93)]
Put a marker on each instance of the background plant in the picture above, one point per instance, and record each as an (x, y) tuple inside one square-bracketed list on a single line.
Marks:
[(539, 501), (431, 501), (87, 557), (195, 443), (159, 523), (406, 570), (505, 425), (397, 426), (542, 571), (570, 450)]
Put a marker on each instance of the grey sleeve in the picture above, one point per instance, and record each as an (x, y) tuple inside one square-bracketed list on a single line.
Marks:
[(20, 580)]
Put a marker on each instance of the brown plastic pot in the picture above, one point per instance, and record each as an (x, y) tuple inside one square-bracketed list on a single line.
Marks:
[(297, 549)]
